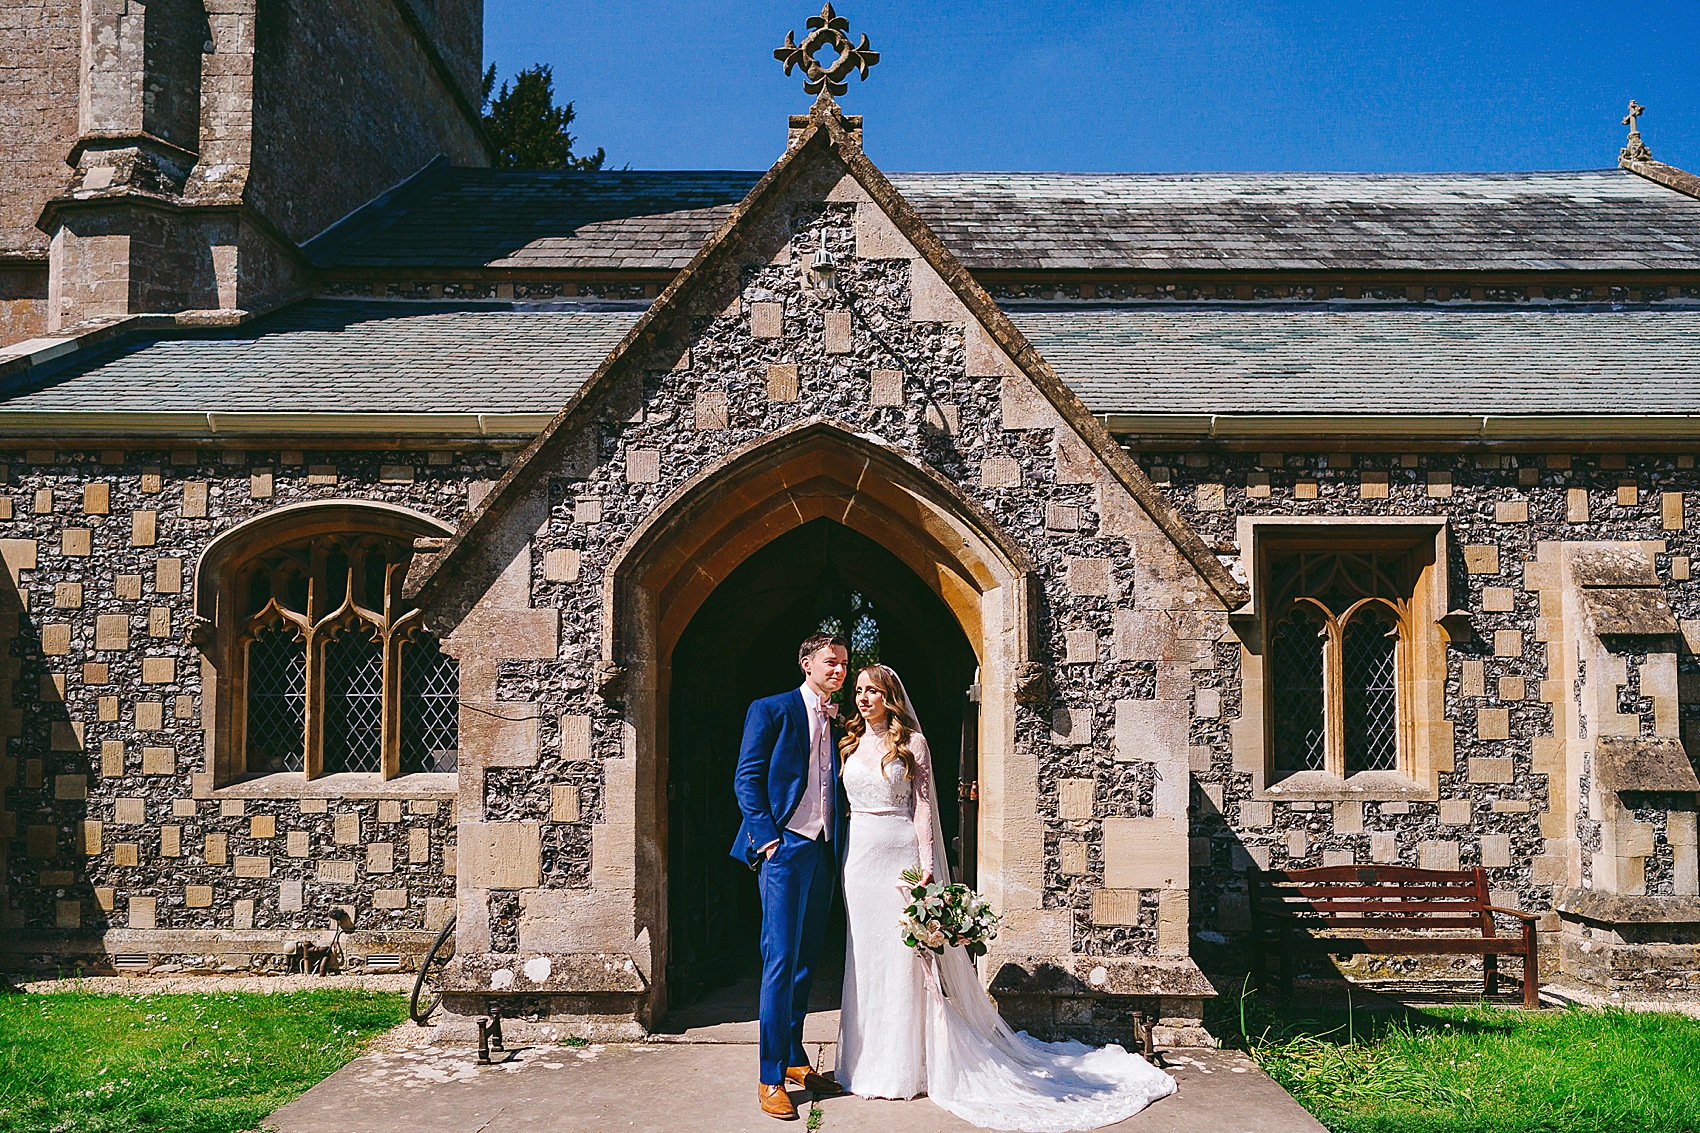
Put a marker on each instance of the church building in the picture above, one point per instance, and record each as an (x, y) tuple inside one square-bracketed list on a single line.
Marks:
[(393, 539)]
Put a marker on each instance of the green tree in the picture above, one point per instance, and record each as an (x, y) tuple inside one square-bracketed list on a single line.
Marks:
[(529, 130)]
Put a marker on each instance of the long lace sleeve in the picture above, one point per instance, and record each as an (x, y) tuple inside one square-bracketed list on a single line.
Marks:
[(923, 801)]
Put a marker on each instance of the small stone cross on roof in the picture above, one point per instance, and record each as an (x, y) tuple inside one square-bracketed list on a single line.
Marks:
[(828, 31), (1634, 149)]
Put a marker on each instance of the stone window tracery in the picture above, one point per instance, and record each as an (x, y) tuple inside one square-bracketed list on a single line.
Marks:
[(335, 669), (1337, 650)]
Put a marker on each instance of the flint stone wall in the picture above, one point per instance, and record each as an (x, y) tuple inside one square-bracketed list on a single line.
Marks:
[(111, 820)]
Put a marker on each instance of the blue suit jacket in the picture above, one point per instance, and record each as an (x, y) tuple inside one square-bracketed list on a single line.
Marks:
[(773, 772)]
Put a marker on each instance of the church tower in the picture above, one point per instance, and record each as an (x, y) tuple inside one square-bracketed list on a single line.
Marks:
[(173, 156)]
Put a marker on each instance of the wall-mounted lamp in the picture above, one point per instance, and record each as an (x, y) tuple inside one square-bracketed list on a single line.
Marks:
[(823, 271)]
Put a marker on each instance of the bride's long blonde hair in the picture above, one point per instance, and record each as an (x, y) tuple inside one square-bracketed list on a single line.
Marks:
[(900, 721)]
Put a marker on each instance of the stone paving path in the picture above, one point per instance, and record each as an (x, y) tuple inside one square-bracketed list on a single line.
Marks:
[(691, 1086)]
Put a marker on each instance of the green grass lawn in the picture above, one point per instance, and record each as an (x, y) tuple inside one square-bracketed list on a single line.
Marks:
[(1477, 1068), (72, 1062)]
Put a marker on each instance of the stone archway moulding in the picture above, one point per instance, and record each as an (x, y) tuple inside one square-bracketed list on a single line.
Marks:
[(301, 521), (816, 469)]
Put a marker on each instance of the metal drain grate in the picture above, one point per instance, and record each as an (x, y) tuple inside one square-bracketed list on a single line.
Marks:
[(383, 960), (132, 960)]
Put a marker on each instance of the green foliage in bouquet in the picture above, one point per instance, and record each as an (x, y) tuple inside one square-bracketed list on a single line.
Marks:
[(946, 916)]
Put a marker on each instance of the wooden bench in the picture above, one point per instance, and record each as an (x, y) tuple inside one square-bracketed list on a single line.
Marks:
[(1353, 910)]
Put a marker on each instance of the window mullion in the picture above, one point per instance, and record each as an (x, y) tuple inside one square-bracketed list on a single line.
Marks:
[(390, 728), (1334, 700), (238, 665), (1403, 676), (314, 754)]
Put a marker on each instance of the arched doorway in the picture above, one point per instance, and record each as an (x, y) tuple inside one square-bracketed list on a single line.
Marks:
[(740, 645), (928, 537)]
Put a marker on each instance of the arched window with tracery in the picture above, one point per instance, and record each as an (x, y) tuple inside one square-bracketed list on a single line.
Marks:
[(326, 669), (1337, 652)]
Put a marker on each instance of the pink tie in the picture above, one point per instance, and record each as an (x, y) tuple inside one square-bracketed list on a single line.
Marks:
[(825, 743)]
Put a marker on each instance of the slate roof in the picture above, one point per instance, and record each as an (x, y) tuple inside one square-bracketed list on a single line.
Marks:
[(1169, 358), (1387, 359), (348, 357), (1576, 220), (450, 217)]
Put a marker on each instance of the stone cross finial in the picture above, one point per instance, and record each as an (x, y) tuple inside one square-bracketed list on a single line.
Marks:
[(1634, 149), (832, 31)]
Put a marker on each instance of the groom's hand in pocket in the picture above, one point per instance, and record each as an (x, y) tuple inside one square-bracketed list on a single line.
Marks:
[(768, 851)]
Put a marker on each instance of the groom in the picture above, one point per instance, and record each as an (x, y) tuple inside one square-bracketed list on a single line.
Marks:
[(795, 820)]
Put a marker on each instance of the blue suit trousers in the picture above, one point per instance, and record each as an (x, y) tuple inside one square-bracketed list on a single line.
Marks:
[(796, 887)]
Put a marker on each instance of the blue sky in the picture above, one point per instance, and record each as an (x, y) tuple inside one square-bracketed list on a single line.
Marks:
[(1157, 85)]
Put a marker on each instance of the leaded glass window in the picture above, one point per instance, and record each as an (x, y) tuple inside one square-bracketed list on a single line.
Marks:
[(339, 676), (1334, 662), (430, 708), (1370, 691), (354, 702), (851, 613), (1295, 658), (277, 700)]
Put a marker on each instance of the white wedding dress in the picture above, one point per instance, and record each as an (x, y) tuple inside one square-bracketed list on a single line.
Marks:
[(882, 1037), (898, 1037)]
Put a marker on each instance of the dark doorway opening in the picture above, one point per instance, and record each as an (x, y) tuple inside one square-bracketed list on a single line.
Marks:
[(741, 645)]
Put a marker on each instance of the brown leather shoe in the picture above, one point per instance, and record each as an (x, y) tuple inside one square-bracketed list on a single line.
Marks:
[(822, 1085), (775, 1102)]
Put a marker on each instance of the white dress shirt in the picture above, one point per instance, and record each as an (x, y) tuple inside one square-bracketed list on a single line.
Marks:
[(813, 815)]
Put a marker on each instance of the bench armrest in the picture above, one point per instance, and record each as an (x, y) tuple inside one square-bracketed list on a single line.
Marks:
[(1518, 913)]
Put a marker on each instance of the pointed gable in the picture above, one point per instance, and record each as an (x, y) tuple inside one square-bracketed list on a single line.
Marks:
[(825, 164)]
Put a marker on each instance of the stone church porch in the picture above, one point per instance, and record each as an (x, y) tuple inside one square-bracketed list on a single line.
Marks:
[(759, 396)]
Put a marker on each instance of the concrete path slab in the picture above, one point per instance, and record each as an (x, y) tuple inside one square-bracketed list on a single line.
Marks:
[(697, 1086)]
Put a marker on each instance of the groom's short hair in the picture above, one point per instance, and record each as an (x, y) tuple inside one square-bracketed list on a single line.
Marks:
[(820, 640)]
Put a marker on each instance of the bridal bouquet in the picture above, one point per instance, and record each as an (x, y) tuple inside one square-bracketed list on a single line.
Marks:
[(938, 916)]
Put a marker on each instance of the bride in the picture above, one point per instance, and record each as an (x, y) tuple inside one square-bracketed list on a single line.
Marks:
[(898, 1036)]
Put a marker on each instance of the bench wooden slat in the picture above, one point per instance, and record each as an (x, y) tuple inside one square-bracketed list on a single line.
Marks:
[(1313, 912), (1389, 921), (1404, 946), (1294, 900), (1358, 873), (1434, 892)]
